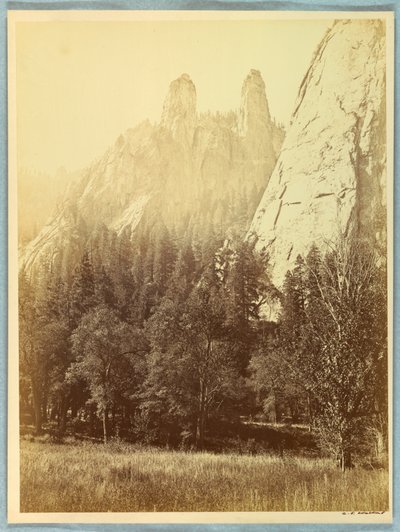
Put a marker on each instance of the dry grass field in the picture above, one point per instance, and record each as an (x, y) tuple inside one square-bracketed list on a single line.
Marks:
[(87, 477)]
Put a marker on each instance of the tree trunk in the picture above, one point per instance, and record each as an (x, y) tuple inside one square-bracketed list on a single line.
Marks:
[(105, 416), (54, 414), (345, 460), (113, 420), (62, 417), (74, 409), (310, 412), (92, 420), (62, 421), (274, 413), (37, 406), (201, 419), (44, 406), (201, 432)]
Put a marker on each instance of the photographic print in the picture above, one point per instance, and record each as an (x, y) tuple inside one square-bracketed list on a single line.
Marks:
[(200, 246)]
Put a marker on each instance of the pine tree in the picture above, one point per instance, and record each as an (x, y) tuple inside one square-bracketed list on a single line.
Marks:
[(123, 276), (82, 293), (183, 275), (104, 289), (164, 258), (246, 289)]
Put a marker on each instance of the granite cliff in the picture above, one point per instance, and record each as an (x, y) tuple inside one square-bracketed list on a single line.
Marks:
[(330, 178)]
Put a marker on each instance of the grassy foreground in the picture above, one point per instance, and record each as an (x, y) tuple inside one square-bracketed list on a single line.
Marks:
[(86, 477)]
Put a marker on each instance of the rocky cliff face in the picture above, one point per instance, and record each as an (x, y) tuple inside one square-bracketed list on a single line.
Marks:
[(256, 127), (330, 177), (179, 112), (165, 170)]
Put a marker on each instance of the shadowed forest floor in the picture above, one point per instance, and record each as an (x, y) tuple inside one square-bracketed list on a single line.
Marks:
[(121, 477)]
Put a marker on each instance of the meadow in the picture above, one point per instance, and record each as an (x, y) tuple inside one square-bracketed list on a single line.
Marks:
[(122, 477)]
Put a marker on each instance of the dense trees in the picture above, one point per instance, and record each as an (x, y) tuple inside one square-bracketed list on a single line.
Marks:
[(346, 332), (193, 358), (103, 346), (43, 337), (330, 348), (155, 337)]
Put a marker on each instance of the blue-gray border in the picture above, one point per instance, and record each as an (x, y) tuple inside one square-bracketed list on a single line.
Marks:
[(309, 5)]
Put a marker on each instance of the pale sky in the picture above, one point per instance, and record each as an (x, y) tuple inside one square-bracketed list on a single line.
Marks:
[(81, 84)]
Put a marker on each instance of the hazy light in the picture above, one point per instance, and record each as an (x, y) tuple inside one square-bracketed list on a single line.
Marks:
[(80, 84)]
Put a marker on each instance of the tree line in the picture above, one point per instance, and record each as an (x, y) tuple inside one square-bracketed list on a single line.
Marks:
[(157, 337)]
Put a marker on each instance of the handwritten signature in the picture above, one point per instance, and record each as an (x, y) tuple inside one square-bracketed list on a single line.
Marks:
[(363, 513)]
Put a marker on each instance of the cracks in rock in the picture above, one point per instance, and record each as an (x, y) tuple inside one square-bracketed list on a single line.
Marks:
[(269, 243), (342, 193), (280, 171), (320, 74), (310, 71), (304, 143), (309, 122), (340, 102), (277, 214), (283, 191), (356, 117), (324, 194)]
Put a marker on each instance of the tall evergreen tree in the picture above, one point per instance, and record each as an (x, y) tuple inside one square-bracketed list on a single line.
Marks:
[(82, 293), (164, 258)]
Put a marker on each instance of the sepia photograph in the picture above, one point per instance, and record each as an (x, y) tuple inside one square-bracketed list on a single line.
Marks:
[(200, 266)]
